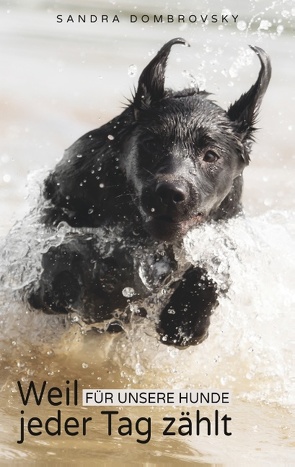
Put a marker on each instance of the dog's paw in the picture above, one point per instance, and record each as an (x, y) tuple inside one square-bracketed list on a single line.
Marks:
[(180, 337), (60, 296), (185, 319)]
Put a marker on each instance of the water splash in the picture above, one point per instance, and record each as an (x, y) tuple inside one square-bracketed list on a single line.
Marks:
[(249, 348)]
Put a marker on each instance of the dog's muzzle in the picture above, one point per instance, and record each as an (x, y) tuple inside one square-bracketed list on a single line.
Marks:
[(168, 209)]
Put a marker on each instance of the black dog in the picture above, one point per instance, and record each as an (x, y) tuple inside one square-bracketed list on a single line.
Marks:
[(169, 162)]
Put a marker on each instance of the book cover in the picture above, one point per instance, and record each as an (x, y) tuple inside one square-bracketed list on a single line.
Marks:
[(69, 391)]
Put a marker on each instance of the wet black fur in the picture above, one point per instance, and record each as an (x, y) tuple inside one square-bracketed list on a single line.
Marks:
[(169, 162)]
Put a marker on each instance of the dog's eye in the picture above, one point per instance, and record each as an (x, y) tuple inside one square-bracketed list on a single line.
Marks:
[(210, 156), (149, 145)]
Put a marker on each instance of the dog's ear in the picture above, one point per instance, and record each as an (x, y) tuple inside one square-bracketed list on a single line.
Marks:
[(244, 111), (152, 79)]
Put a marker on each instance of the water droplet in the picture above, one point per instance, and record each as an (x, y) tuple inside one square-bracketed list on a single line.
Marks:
[(139, 369), (285, 14), (111, 137), (191, 77), (134, 308), (74, 318), (265, 24), (226, 11), (101, 185), (6, 178), (173, 352), (132, 70), (128, 292), (241, 25), (84, 365), (233, 72)]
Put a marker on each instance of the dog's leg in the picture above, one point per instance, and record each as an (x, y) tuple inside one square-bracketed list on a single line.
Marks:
[(76, 278), (186, 318), (60, 287)]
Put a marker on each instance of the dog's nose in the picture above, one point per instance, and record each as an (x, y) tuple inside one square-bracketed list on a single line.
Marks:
[(170, 193)]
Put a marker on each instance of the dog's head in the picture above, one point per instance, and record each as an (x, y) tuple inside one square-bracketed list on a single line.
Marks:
[(185, 155)]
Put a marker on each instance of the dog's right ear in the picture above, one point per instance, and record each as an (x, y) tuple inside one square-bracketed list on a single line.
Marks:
[(152, 79), (244, 111)]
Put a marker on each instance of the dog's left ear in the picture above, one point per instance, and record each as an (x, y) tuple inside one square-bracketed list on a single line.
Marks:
[(152, 79), (244, 111)]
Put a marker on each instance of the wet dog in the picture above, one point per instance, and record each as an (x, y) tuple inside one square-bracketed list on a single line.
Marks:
[(171, 161)]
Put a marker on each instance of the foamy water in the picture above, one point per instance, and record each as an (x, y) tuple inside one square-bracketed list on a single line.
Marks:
[(72, 80), (249, 350)]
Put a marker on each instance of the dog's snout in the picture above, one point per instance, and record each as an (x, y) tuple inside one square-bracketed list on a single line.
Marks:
[(171, 194), (167, 198)]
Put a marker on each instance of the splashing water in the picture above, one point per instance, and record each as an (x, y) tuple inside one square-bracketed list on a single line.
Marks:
[(249, 348)]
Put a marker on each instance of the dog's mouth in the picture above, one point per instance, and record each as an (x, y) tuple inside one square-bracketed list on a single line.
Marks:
[(169, 229)]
